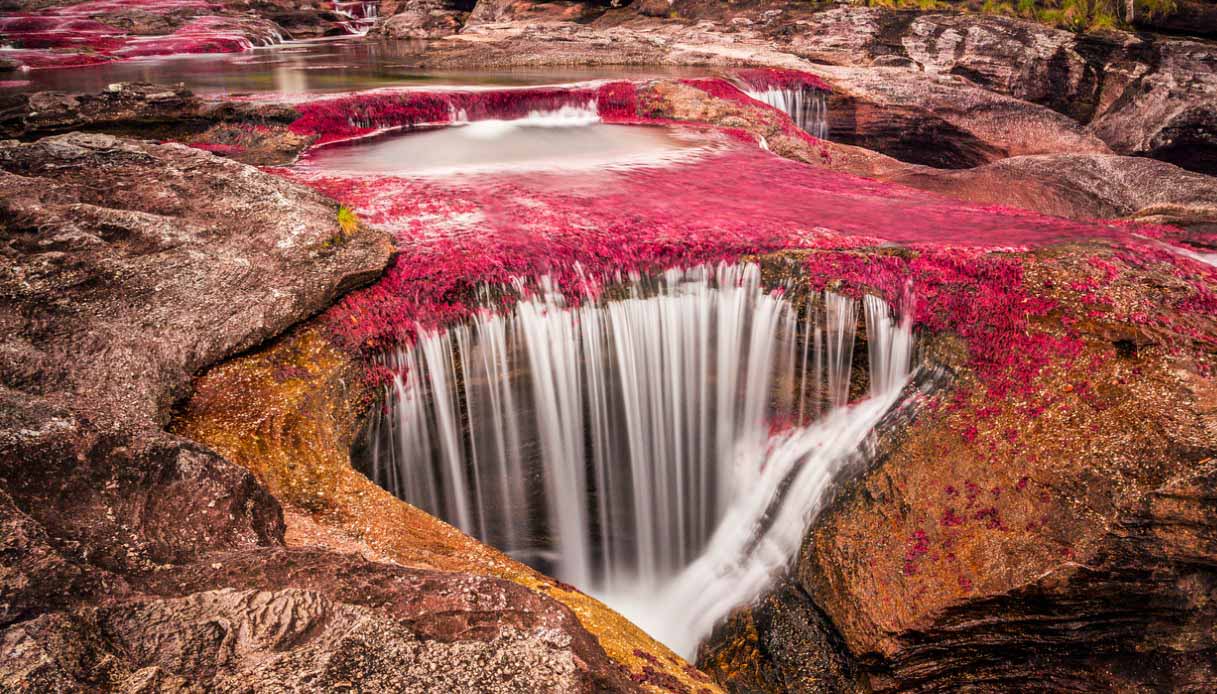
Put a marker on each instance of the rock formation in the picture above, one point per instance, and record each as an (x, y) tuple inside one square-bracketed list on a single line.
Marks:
[(184, 362)]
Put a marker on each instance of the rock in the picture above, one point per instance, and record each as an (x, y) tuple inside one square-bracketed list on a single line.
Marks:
[(1189, 18), (780, 644), (1142, 95), (119, 261), (24, 115), (105, 239), (248, 131), (943, 121), (959, 562), (128, 266), (301, 21), (1078, 186), (120, 502), (423, 19), (653, 8), (1168, 111), (359, 626)]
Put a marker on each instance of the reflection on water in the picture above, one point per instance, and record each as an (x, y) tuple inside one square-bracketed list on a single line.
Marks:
[(309, 67), (562, 141)]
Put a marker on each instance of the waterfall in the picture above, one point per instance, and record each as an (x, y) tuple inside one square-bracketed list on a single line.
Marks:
[(359, 15), (806, 106), (566, 116), (663, 448)]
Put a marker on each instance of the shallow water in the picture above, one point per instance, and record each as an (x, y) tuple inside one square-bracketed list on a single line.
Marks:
[(311, 67), (542, 142)]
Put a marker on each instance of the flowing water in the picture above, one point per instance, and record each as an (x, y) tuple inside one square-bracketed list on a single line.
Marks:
[(807, 107), (663, 449)]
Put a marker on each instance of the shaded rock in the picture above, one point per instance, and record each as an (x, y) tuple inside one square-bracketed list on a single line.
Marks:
[(1024, 60), (251, 132), (301, 20), (1145, 95), (943, 121), (1189, 18), (22, 115), (1169, 111), (782, 643)]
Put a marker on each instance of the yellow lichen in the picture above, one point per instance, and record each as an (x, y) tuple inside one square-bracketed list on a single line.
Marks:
[(289, 414)]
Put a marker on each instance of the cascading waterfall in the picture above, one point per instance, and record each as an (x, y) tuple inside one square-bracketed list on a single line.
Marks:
[(806, 106), (627, 446), (360, 15)]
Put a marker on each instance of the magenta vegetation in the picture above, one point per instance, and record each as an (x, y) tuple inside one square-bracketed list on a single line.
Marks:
[(966, 264), (79, 34)]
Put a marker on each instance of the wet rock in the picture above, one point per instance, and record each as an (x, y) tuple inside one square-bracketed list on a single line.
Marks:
[(779, 644)]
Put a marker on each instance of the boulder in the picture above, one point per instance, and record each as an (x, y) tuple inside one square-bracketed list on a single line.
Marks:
[(1169, 111), (153, 261), (1142, 95), (780, 644), (943, 120), (423, 19), (1189, 18)]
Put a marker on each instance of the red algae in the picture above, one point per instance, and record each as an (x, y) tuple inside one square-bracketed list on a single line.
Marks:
[(358, 115), (77, 35), (967, 264), (780, 78)]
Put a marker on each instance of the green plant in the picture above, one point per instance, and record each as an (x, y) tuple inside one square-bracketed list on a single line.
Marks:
[(348, 221)]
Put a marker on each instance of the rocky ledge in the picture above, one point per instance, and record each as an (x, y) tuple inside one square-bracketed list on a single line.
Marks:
[(127, 267)]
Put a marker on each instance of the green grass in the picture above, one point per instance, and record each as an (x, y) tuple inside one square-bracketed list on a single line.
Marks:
[(1075, 15)]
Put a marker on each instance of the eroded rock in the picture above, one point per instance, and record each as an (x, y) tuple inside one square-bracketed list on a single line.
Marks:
[(130, 265)]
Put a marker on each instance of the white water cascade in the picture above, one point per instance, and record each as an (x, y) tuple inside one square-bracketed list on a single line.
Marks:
[(627, 446), (807, 107), (359, 16)]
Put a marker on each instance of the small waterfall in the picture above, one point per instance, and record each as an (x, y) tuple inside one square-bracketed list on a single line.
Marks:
[(566, 116), (806, 106), (360, 16), (628, 446)]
